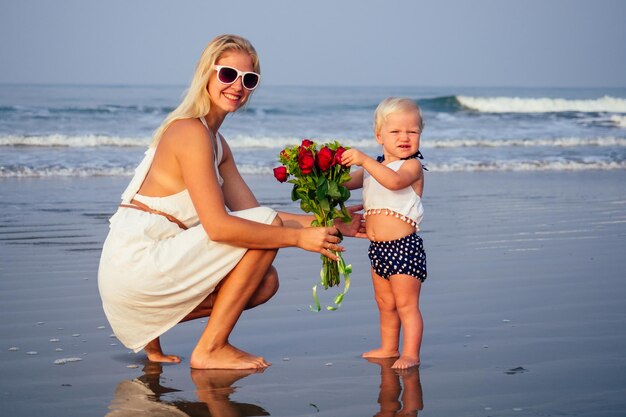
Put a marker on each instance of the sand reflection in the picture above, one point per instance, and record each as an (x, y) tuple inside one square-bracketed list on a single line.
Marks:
[(147, 396), (400, 390)]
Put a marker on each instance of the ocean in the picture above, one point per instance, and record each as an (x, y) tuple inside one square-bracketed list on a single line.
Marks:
[(524, 230), (64, 130)]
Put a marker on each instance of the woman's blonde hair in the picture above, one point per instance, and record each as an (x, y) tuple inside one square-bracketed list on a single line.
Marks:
[(197, 102), (393, 105)]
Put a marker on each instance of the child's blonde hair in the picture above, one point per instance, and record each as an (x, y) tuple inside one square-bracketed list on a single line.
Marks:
[(393, 105), (197, 102)]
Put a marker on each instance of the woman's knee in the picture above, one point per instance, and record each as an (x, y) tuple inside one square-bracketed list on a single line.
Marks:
[(266, 289), (271, 282)]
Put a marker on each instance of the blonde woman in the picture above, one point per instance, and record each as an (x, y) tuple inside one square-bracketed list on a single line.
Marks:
[(189, 239)]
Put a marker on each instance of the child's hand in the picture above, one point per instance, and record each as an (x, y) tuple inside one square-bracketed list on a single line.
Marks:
[(356, 228), (353, 157)]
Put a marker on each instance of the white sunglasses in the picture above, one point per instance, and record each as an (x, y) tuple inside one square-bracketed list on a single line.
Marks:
[(228, 75)]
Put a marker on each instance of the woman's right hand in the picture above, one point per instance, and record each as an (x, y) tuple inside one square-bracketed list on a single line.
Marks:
[(323, 240)]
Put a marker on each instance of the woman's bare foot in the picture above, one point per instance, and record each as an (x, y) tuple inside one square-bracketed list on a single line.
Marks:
[(405, 362), (155, 353), (381, 353), (226, 357)]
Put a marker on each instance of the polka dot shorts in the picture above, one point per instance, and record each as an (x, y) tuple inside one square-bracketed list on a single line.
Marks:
[(402, 256)]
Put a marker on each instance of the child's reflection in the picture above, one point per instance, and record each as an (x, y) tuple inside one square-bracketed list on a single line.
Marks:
[(142, 396), (393, 399)]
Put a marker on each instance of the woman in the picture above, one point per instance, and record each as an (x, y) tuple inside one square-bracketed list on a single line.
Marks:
[(189, 239)]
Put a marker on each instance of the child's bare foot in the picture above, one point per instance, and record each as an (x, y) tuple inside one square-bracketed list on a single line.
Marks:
[(405, 362), (155, 353), (381, 353), (226, 357)]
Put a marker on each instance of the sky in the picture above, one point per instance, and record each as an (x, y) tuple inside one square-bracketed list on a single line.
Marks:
[(540, 43)]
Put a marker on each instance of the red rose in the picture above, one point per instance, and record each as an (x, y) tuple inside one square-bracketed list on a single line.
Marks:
[(284, 154), (338, 153), (280, 173), (306, 162), (325, 158), (304, 145)]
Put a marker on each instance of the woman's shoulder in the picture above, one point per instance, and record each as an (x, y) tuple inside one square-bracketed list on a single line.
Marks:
[(187, 131), (191, 126)]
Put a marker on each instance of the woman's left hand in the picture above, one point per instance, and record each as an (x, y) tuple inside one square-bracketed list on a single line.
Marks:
[(356, 228)]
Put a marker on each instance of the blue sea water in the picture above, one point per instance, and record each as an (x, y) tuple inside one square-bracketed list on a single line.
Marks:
[(61, 130)]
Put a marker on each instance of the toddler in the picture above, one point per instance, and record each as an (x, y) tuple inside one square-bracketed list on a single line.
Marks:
[(392, 191)]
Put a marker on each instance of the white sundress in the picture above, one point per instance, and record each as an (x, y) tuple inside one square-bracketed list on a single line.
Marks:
[(152, 272)]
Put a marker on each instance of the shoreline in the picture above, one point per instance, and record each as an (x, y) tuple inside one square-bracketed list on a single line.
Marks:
[(523, 308)]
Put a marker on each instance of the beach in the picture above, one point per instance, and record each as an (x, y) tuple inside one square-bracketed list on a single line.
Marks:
[(524, 310)]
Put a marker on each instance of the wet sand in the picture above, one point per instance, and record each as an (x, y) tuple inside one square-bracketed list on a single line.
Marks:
[(524, 311)]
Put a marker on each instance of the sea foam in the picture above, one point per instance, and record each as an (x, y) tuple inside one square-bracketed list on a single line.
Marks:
[(57, 140), (618, 120), (545, 142), (529, 165), (237, 141), (605, 104), (268, 142), (57, 171), (251, 169)]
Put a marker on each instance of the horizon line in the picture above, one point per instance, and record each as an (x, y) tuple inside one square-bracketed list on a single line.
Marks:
[(93, 84)]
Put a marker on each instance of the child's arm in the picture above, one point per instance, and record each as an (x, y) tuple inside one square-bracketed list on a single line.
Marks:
[(356, 180), (408, 173)]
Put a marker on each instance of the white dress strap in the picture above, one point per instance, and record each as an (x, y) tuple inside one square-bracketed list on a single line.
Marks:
[(140, 175), (218, 153)]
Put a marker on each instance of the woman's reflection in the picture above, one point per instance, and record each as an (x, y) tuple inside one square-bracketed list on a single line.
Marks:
[(142, 396), (214, 387), (393, 399)]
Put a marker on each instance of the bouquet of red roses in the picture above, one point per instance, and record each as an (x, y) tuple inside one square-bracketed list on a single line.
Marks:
[(317, 182)]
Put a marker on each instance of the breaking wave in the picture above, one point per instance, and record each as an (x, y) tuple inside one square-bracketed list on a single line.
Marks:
[(604, 104)]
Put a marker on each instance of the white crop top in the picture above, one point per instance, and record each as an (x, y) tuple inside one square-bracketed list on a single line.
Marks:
[(403, 204)]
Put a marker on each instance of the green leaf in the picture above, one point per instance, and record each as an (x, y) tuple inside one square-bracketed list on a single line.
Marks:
[(294, 193), (301, 193), (322, 189), (324, 204), (344, 192), (305, 206), (333, 190), (347, 218)]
